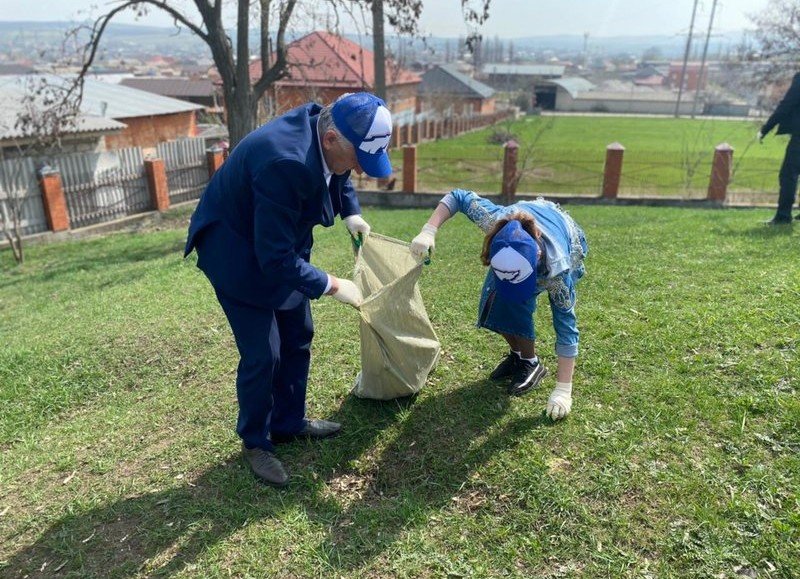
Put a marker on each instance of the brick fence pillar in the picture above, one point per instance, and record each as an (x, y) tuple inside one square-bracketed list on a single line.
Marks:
[(509, 189), (720, 172), (157, 183), (410, 169), (53, 199), (613, 170), (214, 159)]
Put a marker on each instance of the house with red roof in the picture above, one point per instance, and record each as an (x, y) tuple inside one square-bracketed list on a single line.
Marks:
[(323, 66)]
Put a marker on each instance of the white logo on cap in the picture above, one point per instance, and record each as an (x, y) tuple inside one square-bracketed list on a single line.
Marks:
[(511, 266), (377, 138)]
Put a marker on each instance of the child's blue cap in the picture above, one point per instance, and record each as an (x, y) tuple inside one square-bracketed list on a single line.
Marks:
[(513, 257)]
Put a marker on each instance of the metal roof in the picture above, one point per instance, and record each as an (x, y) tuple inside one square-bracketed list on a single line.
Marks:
[(573, 85), (524, 69), (122, 102), (13, 90), (173, 87), (446, 79), (118, 102)]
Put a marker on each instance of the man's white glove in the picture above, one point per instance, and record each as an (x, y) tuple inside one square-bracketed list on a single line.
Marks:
[(560, 402), (423, 243), (760, 137), (356, 224), (346, 292)]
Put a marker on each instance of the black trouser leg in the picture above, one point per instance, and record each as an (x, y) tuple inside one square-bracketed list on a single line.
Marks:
[(790, 169)]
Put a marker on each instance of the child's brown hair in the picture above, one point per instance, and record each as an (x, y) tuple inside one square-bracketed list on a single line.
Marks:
[(525, 219)]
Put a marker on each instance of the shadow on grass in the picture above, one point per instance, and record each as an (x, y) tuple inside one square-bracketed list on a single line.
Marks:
[(86, 258), (442, 440), (764, 231), (442, 443)]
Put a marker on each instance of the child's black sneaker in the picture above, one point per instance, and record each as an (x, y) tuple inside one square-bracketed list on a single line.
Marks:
[(528, 375), (505, 368)]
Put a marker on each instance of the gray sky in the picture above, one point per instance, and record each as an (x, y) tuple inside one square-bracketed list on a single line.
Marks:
[(509, 18)]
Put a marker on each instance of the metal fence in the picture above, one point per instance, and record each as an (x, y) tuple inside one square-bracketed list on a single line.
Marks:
[(105, 186), (185, 164), (20, 193)]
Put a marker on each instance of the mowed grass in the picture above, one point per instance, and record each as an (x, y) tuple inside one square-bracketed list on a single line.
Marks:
[(118, 456), (566, 154)]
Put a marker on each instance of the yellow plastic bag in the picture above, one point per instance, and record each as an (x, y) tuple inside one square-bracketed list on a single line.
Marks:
[(398, 345)]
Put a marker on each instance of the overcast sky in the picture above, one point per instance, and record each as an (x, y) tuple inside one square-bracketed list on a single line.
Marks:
[(509, 18)]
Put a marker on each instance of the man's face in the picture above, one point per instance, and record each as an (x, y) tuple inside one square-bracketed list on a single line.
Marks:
[(340, 156)]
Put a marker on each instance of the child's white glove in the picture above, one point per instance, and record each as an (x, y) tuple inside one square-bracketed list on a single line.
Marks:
[(346, 292), (560, 402), (423, 243), (356, 224)]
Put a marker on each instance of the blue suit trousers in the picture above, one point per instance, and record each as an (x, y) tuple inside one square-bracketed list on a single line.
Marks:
[(274, 357)]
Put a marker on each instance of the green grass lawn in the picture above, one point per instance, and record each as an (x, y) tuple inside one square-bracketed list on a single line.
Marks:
[(118, 456), (566, 154)]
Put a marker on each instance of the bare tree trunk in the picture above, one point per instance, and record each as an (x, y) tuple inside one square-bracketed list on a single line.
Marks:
[(241, 115), (378, 47)]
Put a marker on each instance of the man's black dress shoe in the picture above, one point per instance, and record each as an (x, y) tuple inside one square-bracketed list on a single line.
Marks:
[(266, 466), (315, 428)]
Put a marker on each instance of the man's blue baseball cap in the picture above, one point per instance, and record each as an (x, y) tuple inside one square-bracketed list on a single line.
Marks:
[(365, 121), (513, 256)]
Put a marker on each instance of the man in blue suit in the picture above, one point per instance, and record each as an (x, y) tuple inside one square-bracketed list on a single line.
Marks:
[(252, 231), (787, 117)]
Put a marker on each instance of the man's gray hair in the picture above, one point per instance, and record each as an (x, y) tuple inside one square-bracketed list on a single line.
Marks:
[(326, 120)]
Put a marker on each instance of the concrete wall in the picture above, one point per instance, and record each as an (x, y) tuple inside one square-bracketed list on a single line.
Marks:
[(458, 106), (585, 103)]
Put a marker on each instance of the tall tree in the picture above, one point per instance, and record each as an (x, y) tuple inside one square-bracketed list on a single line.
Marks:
[(204, 19), (778, 30), (775, 42)]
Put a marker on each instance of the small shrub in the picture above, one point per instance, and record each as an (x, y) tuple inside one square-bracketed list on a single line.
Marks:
[(500, 136)]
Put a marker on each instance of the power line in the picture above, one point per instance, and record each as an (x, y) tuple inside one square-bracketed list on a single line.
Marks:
[(685, 59), (703, 60)]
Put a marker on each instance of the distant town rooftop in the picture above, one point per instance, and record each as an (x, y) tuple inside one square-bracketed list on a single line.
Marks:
[(553, 70)]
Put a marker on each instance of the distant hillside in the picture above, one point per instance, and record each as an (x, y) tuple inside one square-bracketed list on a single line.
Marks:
[(40, 37), (130, 38)]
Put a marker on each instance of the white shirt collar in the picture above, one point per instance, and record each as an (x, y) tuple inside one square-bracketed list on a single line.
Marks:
[(326, 172)]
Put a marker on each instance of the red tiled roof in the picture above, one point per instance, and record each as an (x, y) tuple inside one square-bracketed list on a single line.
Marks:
[(326, 60)]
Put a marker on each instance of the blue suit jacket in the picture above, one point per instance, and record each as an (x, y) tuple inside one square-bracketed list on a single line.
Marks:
[(253, 225)]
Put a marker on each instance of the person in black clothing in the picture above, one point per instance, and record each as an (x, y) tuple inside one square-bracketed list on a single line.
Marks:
[(787, 118)]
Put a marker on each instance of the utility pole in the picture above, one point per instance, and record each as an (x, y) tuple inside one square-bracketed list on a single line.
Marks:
[(378, 49), (685, 59), (585, 47), (703, 60)]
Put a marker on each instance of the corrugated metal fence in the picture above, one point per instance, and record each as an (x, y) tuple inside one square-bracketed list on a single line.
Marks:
[(186, 167), (100, 187), (19, 191), (103, 186)]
